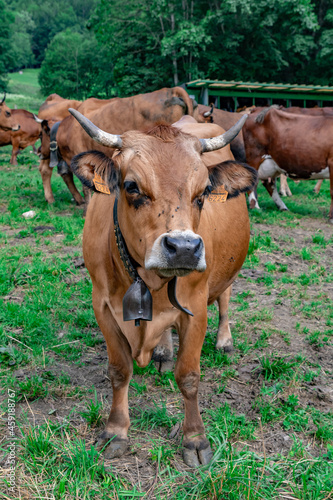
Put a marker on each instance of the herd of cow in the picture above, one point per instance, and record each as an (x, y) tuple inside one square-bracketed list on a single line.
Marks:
[(276, 141), (167, 229)]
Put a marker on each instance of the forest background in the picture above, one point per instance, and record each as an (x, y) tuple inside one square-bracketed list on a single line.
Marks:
[(107, 48)]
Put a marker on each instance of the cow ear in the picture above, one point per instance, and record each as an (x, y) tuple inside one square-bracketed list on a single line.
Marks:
[(236, 177), (96, 171), (45, 127)]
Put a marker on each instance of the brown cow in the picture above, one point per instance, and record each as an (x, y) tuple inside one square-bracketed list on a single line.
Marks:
[(300, 146), (226, 120), (224, 341), (7, 123), (17, 127), (56, 107), (325, 111), (53, 110), (118, 115), (161, 227)]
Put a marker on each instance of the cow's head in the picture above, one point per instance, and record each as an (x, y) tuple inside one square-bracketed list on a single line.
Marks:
[(161, 183), (7, 122), (44, 148), (204, 117)]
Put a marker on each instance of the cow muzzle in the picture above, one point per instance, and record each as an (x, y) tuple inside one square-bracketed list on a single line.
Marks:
[(177, 253)]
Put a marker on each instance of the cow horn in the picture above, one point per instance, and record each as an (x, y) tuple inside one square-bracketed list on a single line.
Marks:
[(222, 140), (210, 112), (38, 120), (4, 97), (103, 138)]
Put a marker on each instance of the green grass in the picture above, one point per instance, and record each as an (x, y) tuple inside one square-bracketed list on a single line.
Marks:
[(24, 91)]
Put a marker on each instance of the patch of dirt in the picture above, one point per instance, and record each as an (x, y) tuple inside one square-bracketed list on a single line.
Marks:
[(241, 390)]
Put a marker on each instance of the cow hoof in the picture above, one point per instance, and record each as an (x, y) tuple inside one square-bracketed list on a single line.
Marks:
[(164, 366), (225, 345), (197, 453), (116, 447)]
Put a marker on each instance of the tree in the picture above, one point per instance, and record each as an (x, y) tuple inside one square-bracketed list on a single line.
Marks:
[(6, 23), (75, 67), (152, 43), (260, 40), (20, 52), (49, 18)]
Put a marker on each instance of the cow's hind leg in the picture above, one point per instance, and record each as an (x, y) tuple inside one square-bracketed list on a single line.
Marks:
[(224, 339), (317, 187), (270, 185), (163, 352), (253, 199), (114, 437), (284, 188), (196, 447), (330, 216)]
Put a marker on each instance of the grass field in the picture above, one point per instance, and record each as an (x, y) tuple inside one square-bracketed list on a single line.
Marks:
[(267, 407), (24, 91)]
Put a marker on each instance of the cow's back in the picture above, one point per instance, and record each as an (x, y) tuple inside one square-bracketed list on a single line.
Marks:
[(57, 109), (118, 115)]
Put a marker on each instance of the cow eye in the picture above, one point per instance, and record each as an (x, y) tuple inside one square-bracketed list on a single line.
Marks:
[(200, 199), (131, 187), (7, 113)]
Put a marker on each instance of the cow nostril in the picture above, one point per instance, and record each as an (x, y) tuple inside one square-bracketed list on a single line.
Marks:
[(170, 244), (197, 244), (175, 247)]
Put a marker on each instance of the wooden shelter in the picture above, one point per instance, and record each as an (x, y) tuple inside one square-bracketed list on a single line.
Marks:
[(234, 94)]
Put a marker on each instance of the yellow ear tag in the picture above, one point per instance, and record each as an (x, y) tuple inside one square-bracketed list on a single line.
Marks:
[(100, 185), (219, 195)]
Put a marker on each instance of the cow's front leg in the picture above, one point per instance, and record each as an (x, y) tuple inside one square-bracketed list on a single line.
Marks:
[(196, 447), (15, 152), (120, 372), (69, 181), (46, 173), (87, 197), (224, 338)]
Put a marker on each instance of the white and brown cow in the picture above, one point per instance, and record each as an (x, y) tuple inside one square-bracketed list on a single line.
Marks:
[(299, 146), (158, 221)]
